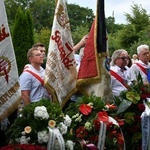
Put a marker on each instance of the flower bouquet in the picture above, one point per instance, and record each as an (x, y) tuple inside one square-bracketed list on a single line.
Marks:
[(92, 127), (131, 108), (40, 124)]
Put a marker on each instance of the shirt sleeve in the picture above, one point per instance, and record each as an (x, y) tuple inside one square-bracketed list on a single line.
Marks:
[(134, 71), (25, 81)]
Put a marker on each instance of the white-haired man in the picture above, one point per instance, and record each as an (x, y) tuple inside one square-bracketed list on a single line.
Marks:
[(120, 76), (142, 66)]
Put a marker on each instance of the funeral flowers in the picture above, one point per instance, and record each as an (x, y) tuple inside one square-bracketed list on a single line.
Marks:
[(132, 106), (92, 127), (38, 123)]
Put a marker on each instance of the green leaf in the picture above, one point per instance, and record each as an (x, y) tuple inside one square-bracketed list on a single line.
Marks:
[(133, 97)]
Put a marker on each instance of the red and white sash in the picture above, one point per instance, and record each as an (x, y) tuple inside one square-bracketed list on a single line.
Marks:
[(118, 77)]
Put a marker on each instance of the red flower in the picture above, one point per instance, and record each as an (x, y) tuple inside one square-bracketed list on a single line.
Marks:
[(143, 96), (81, 132), (143, 88), (85, 109), (94, 139), (137, 118), (120, 121), (23, 147), (102, 116), (141, 107), (97, 124), (120, 138), (111, 106)]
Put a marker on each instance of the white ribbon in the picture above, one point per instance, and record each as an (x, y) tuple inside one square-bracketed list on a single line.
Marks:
[(102, 135), (55, 135), (145, 125)]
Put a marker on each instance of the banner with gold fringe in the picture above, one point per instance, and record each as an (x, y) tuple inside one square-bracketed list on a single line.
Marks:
[(60, 73), (10, 95), (93, 75)]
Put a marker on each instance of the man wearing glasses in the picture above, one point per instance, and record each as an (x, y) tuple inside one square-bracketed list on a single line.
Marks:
[(142, 66), (120, 76), (32, 78), (42, 49)]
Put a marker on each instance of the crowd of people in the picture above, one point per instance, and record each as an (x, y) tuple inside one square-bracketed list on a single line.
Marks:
[(123, 70)]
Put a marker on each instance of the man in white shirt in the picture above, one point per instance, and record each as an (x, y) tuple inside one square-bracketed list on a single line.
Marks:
[(31, 80), (142, 65), (120, 76)]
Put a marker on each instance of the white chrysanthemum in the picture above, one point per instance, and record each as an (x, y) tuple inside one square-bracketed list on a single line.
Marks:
[(70, 145), (41, 112), (43, 136), (63, 128), (24, 140), (67, 121)]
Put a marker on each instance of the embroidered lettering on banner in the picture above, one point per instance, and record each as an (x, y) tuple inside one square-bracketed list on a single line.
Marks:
[(62, 18), (3, 33), (9, 93), (64, 57), (5, 67)]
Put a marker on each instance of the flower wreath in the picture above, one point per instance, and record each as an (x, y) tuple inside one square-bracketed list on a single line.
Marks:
[(92, 127), (37, 123)]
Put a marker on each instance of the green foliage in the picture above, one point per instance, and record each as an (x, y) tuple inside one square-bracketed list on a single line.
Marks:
[(79, 16), (79, 33), (37, 124), (22, 37), (30, 27), (43, 36), (127, 36), (130, 107), (135, 33), (139, 17)]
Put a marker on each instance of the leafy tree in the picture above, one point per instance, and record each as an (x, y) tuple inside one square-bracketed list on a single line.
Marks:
[(42, 13), (139, 18), (21, 37), (127, 36), (30, 27), (43, 36), (79, 33), (80, 16), (11, 8), (134, 33)]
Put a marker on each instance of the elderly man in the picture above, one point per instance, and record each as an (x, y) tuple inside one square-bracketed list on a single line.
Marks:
[(120, 76), (142, 65)]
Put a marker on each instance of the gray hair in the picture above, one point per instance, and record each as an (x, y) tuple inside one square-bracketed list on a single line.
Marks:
[(115, 55), (141, 47)]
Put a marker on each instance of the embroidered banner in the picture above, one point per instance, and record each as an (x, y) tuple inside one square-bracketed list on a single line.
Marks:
[(94, 50), (9, 86), (93, 75), (60, 72)]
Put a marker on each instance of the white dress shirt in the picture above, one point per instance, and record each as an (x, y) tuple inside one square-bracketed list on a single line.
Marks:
[(135, 70), (116, 86)]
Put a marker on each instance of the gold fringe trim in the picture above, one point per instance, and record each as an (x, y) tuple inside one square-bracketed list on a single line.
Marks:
[(52, 91), (11, 109)]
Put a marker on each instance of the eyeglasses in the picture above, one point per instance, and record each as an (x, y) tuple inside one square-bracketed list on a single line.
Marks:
[(38, 55), (123, 58), (146, 53)]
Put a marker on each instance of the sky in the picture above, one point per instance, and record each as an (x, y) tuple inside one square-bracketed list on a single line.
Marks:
[(119, 7)]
